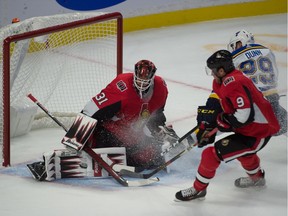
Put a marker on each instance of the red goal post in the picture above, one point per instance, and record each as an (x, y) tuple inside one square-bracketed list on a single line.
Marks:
[(64, 60)]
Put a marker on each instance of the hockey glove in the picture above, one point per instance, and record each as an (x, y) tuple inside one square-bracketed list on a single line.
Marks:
[(205, 114), (204, 129), (166, 134), (223, 123)]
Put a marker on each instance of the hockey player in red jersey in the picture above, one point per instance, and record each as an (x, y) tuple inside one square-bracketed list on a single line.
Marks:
[(246, 113), (130, 114)]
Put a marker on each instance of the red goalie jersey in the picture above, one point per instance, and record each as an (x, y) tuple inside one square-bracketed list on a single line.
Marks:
[(122, 111)]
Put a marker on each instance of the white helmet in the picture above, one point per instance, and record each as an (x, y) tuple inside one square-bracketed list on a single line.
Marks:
[(243, 36)]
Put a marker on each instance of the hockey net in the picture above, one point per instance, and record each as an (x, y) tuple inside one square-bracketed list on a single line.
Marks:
[(63, 60)]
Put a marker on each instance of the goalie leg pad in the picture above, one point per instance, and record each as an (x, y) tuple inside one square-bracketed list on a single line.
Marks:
[(63, 164), (66, 163)]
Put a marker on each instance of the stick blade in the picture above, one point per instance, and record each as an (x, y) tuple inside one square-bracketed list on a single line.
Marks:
[(142, 182), (129, 173)]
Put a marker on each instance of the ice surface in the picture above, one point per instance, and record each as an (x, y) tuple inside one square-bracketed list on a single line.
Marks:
[(179, 53)]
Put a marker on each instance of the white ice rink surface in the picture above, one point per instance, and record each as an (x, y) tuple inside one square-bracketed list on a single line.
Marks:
[(180, 54)]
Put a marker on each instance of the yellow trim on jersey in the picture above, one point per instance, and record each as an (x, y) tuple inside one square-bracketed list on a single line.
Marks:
[(249, 48), (270, 92), (214, 95)]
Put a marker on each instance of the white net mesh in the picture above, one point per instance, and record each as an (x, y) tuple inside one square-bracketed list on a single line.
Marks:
[(77, 61)]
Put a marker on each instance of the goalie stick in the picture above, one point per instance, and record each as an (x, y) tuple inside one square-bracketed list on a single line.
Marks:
[(31, 97), (97, 158), (164, 165), (179, 140)]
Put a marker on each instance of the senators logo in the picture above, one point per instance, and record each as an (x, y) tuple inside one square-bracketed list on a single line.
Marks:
[(144, 113), (225, 142)]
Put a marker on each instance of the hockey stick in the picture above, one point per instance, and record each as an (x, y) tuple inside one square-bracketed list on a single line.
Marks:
[(97, 158), (179, 140), (31, 97), (163, 166), (114, 174)]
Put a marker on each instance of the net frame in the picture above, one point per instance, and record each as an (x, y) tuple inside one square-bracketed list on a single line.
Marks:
[(6, 151)]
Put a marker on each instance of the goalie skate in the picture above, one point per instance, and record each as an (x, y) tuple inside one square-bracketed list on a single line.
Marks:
[(38, 170)]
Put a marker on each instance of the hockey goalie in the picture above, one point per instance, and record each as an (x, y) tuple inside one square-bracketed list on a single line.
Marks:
[(128, 129)]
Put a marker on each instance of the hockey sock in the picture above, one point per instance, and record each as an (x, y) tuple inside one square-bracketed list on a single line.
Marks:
[(207, 168), (251, 164)]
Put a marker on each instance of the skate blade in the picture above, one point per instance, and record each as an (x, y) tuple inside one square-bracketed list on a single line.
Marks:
[(200, 199)]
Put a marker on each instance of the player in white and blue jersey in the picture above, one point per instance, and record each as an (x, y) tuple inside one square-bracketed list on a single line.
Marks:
[(258, 62)]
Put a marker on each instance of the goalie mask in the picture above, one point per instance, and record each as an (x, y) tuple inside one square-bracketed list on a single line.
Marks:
[(242, 36), (144, 75)]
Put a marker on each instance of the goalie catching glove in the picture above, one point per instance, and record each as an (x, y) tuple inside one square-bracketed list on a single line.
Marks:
[(166, 134)]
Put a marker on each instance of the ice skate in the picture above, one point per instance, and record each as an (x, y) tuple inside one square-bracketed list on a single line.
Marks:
[(189, 194), (245, 182)]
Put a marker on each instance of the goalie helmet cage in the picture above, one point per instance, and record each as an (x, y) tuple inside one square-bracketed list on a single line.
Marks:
[(64, 60)]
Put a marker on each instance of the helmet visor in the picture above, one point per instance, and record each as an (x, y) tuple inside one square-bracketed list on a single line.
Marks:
[(143, 79), (209, 71)]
